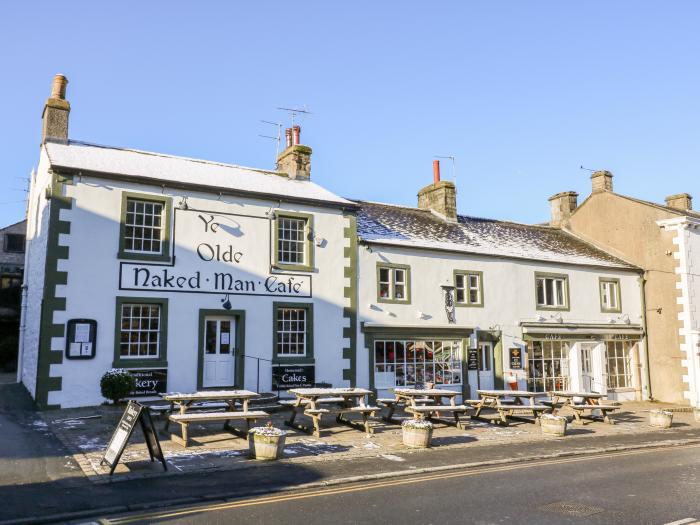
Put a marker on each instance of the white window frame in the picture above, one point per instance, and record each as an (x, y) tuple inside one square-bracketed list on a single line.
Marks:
[(621, 350), (138, 330), (549, 363), (160, 228), (280, 332), (555, 284), (282, 254), (393, 282), (610, 295), (467, 287)]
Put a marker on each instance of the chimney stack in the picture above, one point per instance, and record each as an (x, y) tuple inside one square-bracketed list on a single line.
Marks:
[(562, 205), (680, 201), (601, 180), (439, 197), (55, 117), (295, 160)]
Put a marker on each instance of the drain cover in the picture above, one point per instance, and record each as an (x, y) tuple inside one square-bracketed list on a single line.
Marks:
[(570, 508)]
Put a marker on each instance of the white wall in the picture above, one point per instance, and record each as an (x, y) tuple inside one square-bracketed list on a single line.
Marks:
[(509, 296), (34, 270), (93, 281)]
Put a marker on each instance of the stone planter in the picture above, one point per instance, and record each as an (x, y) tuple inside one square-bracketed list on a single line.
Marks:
[(417, 434), (553, 425), (660, 418), (266, 445)]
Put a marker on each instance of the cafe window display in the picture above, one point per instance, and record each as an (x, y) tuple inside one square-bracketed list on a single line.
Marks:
[(415, 362), (548, 366)]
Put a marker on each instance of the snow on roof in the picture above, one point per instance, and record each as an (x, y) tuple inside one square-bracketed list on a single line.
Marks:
[(416, 228), (134, 163)]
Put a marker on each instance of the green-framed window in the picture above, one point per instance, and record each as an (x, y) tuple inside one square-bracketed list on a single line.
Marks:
[(141, 332), (469, 288), (294, 246), (144, 232), (293, 332), (393, 283), (552, 291), (610, 300)]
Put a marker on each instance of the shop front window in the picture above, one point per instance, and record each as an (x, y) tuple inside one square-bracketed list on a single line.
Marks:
[(618, 367), (548, 366), (407, 363), (140, 331)]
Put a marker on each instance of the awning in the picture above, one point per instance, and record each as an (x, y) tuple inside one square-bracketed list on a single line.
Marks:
[(580, 330)]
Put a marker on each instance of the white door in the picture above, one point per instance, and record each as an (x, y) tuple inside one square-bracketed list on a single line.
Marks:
[(482, 378), (219, 351), (587, 367)]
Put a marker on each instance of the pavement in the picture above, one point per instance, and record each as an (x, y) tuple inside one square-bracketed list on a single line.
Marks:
[(42, 482)]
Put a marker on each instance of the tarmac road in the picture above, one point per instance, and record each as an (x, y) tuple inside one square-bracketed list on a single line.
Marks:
[(653, 486)]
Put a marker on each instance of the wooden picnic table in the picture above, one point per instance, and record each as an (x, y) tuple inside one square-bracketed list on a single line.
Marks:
[(317, 402), (590, 401), (500, 400), (185, 401), (425, 403)]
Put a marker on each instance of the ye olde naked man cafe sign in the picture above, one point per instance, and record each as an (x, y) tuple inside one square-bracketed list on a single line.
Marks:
[(219, 254)]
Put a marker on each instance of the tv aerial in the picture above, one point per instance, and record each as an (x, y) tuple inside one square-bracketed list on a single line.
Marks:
[(454, 167), (293, 112)]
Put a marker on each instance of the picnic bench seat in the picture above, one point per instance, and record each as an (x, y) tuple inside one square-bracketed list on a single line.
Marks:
[(426, 410), (579, 410), (363, 409), (184, 420), (317, 411)]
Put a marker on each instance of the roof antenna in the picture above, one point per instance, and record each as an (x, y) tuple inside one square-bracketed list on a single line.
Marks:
[(277, 139), (296, 111), (587, 169), (454, 168)]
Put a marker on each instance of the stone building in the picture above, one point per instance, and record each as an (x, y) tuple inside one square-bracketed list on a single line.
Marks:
[(469, 303), (663, 240)]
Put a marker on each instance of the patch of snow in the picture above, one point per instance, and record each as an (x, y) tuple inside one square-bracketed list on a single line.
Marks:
[(391, 457)]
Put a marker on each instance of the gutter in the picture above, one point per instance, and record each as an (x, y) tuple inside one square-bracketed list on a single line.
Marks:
[(642, 284), (160, 183)]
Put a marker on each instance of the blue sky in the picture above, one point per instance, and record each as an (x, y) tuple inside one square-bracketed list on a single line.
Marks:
[(521, 92)]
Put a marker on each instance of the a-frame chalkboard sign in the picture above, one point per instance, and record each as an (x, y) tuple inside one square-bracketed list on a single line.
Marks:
[(134, 412)]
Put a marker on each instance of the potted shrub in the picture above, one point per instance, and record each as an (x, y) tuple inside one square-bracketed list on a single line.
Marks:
[(266, 442), (553, 425), (660, 418), (116, 384), (417, 433)]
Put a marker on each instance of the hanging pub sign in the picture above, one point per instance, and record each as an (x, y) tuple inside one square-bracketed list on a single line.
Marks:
[(516, 358), (149, 381), (285, 377), (472, 359), (135, 412)]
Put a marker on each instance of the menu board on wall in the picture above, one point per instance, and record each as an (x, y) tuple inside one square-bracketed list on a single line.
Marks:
[(472, 360), (516, 358), (285, 377)]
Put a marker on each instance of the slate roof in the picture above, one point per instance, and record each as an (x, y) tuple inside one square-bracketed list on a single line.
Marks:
[(413, 227), (151, 167)]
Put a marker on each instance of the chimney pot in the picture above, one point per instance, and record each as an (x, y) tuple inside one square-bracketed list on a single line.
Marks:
[(56, 111), (436, 171), (288, 137), (680, 201), (562, 206), (601, 180), (296, 135), (58, 88)]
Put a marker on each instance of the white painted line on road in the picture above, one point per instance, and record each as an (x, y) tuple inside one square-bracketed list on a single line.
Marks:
[(685, 521)]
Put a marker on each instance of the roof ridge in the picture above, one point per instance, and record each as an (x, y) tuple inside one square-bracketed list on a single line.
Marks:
[(178, 157)]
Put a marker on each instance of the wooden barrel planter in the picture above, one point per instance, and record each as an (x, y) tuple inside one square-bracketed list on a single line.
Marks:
[(417, 433), (553, 425), (660, 418), (266, 443)]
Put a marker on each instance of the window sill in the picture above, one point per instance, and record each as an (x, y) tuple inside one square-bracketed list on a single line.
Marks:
[(552, 308), (393, 301), (622, 389), (467, 305), (292, 360), (145, 257), (293, 267), (604, 311), (139, 363)]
